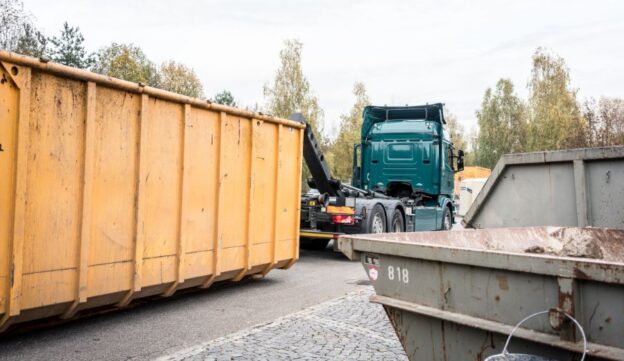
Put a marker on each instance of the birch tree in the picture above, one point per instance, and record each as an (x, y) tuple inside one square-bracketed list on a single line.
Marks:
[(502, 124), (179, 78), (290, 92), (555, 119), (128, 62), (341, 152)]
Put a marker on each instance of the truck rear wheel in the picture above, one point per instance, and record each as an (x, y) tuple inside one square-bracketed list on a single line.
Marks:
[(447, 219), (397, 222), (377, 220)]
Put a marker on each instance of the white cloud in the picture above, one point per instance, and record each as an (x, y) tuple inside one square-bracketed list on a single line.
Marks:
[(406, 52)]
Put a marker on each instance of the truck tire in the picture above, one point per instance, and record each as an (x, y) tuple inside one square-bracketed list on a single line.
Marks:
[(314, 244), (377, 220), (398, 225), (447, 219)]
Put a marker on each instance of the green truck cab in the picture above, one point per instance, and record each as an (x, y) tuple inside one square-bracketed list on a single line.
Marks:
[(403, 175), (407, 153)]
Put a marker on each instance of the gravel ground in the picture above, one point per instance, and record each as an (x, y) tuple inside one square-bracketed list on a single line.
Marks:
[(346, 328)]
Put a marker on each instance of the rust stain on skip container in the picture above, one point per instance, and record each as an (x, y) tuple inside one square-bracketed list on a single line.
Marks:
[(114, 191)]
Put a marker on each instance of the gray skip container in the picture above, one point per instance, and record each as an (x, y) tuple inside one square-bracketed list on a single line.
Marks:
[(457, 295), (575, 187)]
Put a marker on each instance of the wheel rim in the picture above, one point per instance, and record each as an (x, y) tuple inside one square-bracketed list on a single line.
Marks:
[(377, 226), (447, 222)]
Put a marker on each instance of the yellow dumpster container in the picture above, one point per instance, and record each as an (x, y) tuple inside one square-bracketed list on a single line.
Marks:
[(470, 173), (112, 191)]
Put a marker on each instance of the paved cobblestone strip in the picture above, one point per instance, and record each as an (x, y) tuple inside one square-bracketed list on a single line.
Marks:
[(347, 328)]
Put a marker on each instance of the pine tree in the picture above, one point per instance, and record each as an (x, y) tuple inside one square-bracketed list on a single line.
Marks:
[(31, 42), (68, 48), (225, 97)]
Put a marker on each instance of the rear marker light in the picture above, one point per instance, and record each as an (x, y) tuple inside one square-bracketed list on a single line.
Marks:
[(341, 219)]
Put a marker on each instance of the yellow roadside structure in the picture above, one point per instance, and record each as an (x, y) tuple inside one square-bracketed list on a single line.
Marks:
[(470, 173)]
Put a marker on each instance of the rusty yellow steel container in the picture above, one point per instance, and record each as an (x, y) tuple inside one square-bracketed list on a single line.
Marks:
[(112, 191), (470, 172)]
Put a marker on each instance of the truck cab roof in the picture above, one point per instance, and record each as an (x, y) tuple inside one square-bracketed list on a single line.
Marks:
[(374, 114)]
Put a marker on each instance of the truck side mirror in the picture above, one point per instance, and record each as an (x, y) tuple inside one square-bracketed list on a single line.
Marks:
[(460, 160)]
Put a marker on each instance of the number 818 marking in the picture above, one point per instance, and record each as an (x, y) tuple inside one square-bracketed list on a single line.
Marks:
[(401, 274)]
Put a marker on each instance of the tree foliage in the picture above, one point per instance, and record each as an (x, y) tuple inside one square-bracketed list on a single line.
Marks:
[(555, 120), (290, 90), (128, 62), (179, 78), (225, 97), (69, 49), (502, 124), (18, 33), (605, 121), (472, 147), (340, 155), (551, 119), (461, 139), (12, 19), (456, 131), (17, 30), (32, 42)]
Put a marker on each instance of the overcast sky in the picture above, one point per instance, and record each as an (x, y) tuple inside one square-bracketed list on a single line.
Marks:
[(405, 52)]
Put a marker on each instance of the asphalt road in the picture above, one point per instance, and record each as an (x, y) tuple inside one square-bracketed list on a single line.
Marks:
[(165, 326)]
